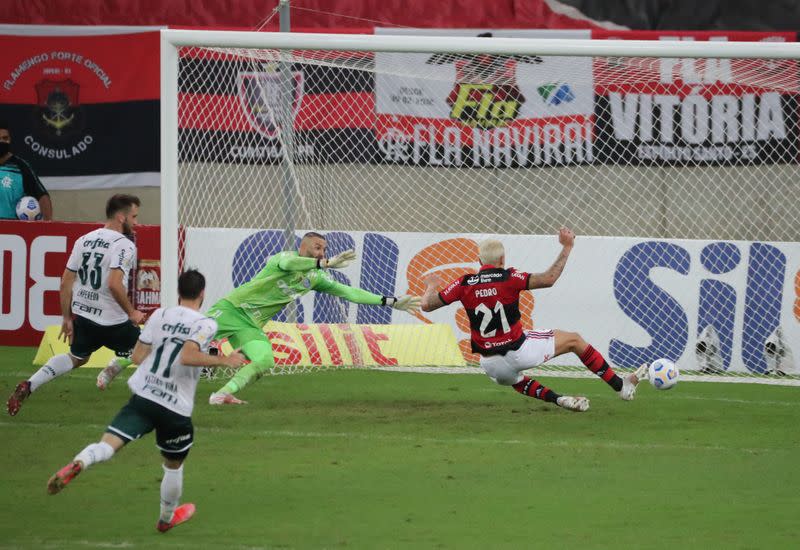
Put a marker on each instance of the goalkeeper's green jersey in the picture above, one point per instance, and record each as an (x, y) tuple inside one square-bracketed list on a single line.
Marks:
[(286, 277)]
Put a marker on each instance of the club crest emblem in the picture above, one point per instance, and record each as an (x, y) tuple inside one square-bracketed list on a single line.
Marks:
[(57, 107), (260, 98)]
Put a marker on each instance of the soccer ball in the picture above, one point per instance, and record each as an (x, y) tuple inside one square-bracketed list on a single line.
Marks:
[(28, 209), (663, 374)]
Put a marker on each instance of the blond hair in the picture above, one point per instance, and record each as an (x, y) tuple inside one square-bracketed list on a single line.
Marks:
[(491, 251)]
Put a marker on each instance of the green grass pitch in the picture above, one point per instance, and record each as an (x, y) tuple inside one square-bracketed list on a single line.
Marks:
[(364, 459)]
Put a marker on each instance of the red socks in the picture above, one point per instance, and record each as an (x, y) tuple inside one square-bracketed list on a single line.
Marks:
[(595, 363), (532, 388)]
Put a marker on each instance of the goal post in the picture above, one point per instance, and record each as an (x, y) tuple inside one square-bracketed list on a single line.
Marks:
[(675, 162)]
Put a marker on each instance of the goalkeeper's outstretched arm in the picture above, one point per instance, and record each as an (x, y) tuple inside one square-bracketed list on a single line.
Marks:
[(361, 296), (290, 262)]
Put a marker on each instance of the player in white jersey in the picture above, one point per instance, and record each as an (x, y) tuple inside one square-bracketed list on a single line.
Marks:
[(95, 308), (173, 344)]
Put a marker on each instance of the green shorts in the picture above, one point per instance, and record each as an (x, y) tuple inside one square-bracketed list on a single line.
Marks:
[(235, 325), (174, 432), (88, 337)]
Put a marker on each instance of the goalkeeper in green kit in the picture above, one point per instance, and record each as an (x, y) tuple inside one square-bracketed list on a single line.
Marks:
[(242, 314)]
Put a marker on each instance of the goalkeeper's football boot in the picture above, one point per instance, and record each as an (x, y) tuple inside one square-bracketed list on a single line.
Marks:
[(107, 375), (576, 404), (224, 399), (62, 477), (182, 514), (631, 381), (21, 392)]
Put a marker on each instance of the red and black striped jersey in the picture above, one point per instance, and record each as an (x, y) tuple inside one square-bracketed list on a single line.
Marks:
[(491, 298)]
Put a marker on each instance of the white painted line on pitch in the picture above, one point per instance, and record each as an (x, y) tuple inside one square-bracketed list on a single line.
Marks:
[(731, 400), (733, 378), (609, 444), (57, 544), (582, 443)]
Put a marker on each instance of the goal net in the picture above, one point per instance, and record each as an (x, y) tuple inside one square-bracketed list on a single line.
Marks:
[(677, 171)]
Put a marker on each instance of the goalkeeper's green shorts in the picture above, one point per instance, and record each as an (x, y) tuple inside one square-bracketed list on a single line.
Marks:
[(235, 325)]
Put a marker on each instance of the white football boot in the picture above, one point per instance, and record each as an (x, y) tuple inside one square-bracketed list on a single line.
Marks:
[(576, 404), (631, 381), (108, 374)]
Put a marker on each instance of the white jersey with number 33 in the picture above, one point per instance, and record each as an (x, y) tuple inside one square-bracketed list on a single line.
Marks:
[(93, 257), (161, 377)]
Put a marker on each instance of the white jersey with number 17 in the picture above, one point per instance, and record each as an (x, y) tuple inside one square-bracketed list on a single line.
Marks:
[(161, 377)]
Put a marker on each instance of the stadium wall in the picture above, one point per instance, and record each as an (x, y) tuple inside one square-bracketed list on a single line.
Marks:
[(667, 196)]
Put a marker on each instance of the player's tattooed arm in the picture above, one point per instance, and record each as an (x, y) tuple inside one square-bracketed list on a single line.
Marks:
[(430, 298), (547, 279)]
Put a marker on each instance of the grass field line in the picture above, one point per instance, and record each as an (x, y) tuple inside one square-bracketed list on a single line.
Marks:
[(535, 372), (731, 400), (547, 373), (172, 543), (90, 375), (556, 443)]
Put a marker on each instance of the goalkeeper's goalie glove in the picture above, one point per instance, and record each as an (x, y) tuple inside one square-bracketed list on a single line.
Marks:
[(404, 303), (339, 261)]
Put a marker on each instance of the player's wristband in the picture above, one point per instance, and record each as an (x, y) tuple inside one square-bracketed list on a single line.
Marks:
[(388, 301), (319, 263)]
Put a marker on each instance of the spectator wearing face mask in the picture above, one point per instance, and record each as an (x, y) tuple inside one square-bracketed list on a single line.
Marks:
[(17, 180)]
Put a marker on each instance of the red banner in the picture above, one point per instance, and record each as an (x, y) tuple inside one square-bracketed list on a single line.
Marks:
[(83, 110), (32, 259), (101, 67)]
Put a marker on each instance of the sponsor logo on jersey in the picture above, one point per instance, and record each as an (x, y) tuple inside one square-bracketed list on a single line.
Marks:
[(85, 308), (497, 343), (451, 287), (96, 243), (178, 328), (287, 290), (164, 395), (178, 439), (203, 333), (485, 277)]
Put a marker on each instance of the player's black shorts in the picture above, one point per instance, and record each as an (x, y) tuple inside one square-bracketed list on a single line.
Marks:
[(174, 432), (88, 337)]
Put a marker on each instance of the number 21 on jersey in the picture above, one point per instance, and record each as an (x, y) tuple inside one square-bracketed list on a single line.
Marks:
[(487, 317)]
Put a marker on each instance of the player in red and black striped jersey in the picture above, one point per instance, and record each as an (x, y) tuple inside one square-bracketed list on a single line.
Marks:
[(491, 299)]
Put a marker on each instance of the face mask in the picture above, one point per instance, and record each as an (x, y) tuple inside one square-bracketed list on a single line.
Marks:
[(5, 147)]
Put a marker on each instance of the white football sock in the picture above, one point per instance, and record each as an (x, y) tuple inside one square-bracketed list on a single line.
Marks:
[(171, 490), (96, 452), (55, 366)]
